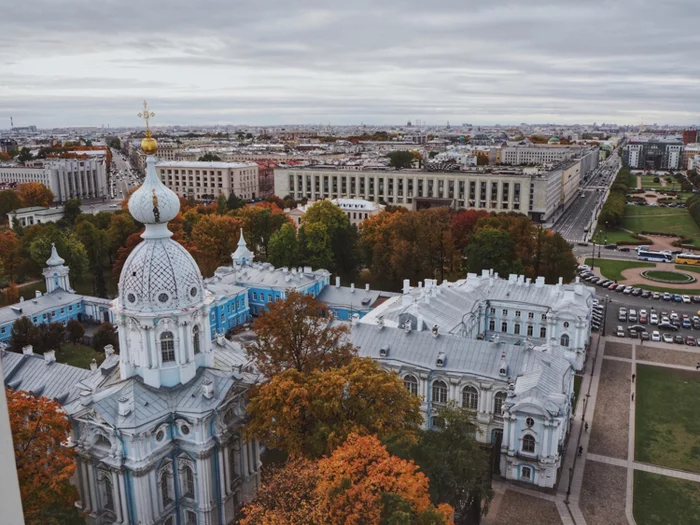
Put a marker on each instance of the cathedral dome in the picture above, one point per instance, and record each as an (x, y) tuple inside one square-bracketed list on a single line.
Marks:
[(153, 203), (160, 275)]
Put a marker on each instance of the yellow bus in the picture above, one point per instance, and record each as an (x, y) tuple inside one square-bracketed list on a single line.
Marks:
[(688, 258)]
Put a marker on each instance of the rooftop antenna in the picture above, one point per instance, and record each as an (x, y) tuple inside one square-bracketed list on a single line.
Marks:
[(12, 125)]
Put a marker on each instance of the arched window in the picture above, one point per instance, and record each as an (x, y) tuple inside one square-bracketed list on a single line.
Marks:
[(191, 518), (165, 489), (564, 340), (529, 444), (470, 398), (188, 482), (526, 473), (439, 392), (169, 521), (109, 494), (498, 401), (411, 384), (167, 346), (195, 339)]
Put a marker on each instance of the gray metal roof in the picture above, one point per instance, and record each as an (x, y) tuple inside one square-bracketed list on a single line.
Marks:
[(358, 298), (37, 305), (265, 275), (32, 373)]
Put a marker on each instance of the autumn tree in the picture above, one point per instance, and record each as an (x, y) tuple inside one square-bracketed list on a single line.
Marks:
[(44, 466), (120, 228), (283, 248), (356, 477), (75, 330), (463, 225), (68, 246), (260, 222), (401, 159), (105, 335), (555, 258), (35, 194), (11, 294), (50, 337), (294, 333), (9, 201), (459, 470), (312, 413), (123, 252), (10, 254), (23, 333), (215, 237), (490, 248)]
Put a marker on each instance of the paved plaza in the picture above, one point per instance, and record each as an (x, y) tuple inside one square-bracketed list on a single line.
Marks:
[(597, 487)]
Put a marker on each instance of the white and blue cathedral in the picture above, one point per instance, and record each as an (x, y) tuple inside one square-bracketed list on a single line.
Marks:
[(159, 427)]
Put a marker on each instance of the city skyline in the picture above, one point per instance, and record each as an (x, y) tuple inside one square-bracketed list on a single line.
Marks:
[(278, 63)]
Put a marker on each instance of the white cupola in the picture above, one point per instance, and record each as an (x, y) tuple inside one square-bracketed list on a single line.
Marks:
[(162, 308), (56, 273), (242, 255)]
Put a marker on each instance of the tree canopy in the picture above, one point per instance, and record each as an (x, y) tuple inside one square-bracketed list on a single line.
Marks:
[(401, 159), (35, 194)]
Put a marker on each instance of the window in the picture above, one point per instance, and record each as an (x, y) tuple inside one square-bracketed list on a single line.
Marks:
[(529, 444), (255, 296), (195, 339), (498, 401), (564, 340), (530, 315), (492, 325), (517, 313), (504, 327), (470, 398), (437, 422), (544, 317), (566, 324), (526, 473), (439, 392), (165, 489), (167, 347), (505, 312), (516, 328), (529, 330), (109, 494), (411, 384), (543, 332), (191, 518), (492, 311), (530, 422), (188, 482)]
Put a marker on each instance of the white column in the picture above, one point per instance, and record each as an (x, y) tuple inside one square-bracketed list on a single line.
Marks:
[(223, 470), (256, 455), (92, 486), (244, 459), (85, 495), (116, 496), (124, 499)]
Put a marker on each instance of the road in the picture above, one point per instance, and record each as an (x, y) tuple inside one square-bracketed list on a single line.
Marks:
[(124, 179), (574, 221)]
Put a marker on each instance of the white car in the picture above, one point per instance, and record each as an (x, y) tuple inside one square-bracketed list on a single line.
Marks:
[(686, 298), (667, 338), (656, 336), (653, 318), (628, 290)]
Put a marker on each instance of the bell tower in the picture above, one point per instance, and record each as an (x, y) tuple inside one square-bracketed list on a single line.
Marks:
[(56, 273)]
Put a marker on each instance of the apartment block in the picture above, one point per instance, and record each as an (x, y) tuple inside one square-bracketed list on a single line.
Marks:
[(208, 180)]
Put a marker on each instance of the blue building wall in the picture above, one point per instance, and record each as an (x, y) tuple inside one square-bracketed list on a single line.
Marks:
[(230, 313), (61, 314), (259, 296)]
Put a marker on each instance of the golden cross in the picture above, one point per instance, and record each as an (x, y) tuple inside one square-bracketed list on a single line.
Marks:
[(145, 114)]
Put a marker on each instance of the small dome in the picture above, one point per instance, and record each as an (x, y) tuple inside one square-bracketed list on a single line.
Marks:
[(153, 203), (55, 259), (160, 275), (553, 140)]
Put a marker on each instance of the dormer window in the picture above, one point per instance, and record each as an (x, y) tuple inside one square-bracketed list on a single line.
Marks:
[(441, 358), (384, 351)]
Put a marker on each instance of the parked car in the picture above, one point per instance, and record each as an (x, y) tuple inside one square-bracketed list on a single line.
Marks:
[(667, 296), (653, 318), (656, 336), (643, 317), (686, 299), (690, 341), (620, 332), (678, 339), (632, 315), (686, 323), (624, 249), (633, 333), (668, 326), (622, 315), (584, 267), (677, 297), (667, 338), (610, 246), (656, 295), (644, 336), (646, 294), (628, 290)]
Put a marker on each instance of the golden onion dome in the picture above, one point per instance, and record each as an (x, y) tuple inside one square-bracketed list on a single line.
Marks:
[(149, 145)]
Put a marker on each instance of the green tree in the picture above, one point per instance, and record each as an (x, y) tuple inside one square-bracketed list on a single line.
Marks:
[(9, 201), (458, 469), (315, 243), (25, 155), (260, 222), (209, 157), (490, 248), (401, 159), (105, 335), (75, 330), (71, 210), (69, 248), (221, 205), (50, 336), (556, 259), (234, 202), (23, 333), (283, 248), (97, 244), (120, 228)]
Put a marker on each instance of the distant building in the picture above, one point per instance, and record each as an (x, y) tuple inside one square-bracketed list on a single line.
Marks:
[(35, 215), (67, 178), (345, 302), (690, 136), (208, 180), (653, 155), (357, 210)]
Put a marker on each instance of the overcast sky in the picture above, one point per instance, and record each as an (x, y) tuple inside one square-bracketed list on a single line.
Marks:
[(262, 62)]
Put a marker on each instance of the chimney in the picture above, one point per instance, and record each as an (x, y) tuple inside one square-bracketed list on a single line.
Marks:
[(380, 322), (355, 319), (50, 356), (406, 285), (124, 406), (352, 287), (561, 281), (93, 365), (528, 281), (109, 350), (435, 331), (28, 350), (21, 299), (337, 282), (367, 287), (208, 388), (85, 397), (37, 293)]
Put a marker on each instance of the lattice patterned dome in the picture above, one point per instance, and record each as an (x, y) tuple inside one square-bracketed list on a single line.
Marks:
[(160, 275)]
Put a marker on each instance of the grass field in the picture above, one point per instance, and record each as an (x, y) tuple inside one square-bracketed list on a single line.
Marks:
[(688, 268), (667, 424), (648, 183), (662, 500), (78, 355), (613, 236), (674, 221), (613, 268), (668, 276)]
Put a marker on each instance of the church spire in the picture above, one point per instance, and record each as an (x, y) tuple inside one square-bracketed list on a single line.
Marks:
[(242, 255), (56, 273)]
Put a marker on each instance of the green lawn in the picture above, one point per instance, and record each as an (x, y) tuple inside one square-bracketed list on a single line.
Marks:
[(648, 182), (688, 268), (667, 423), (27, 291), (662, 500), (674, 221), (613, 236), (668, 276), (78, 355), (612, 268)]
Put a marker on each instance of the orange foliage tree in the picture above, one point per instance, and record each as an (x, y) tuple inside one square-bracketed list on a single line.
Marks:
[(10, 254), (294, 333), (215, 237), (35, 194), (44, 466), (11, 293), (311, 414), (359, 483)]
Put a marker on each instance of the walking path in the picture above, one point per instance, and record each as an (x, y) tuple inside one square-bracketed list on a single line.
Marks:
[(670, 472), (633, 276)]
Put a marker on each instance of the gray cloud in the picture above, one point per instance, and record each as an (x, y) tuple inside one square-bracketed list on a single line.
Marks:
[(267, 62)]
